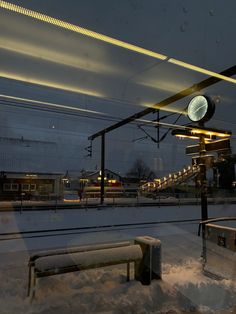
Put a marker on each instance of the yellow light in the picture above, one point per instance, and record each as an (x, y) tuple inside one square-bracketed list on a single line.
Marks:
[(201, 70), (168, 109), (71, 201), (36, 81), (210, 133), (36, 102), (80, 30), (195, 133), (112, 181), (83, 180), (99, 178), (180, 136)]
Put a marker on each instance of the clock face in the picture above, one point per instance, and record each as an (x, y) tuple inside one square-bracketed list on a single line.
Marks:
[(200, 108)]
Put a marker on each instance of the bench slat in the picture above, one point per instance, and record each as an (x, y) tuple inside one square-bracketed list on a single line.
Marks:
[(50, 265), (75, 249)]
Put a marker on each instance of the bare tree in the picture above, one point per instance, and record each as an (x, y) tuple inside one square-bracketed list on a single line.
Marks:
[(141, 171)]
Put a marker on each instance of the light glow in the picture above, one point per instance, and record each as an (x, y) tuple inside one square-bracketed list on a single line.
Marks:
[(55, 56), (201, 70), (166, 108), (35, 81), (194, 133), (181, 136), (71, 201)]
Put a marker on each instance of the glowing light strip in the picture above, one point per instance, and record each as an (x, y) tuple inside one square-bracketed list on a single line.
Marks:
[(154, 106), (54, 59), (107, 39), (195, 131), (201, 70), (80, 30), (37, 102), (48, 84)]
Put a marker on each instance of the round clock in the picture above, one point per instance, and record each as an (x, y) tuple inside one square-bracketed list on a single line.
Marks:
[(201, 109)]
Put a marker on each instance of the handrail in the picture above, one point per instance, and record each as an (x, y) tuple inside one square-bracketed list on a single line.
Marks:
[(213, 220)]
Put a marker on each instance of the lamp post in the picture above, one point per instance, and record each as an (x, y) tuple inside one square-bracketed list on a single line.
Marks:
[(201, 109), (203, 191)]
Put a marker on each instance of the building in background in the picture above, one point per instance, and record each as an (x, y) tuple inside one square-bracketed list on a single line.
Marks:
[(30, 186)]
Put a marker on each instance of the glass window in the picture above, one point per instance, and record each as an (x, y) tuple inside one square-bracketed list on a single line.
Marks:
[(14, 187), (33, 187), (25, 187), (6, 187)]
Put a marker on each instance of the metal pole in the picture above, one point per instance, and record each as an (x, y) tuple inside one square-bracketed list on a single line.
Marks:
[(102, 168), (202, 165), (203, 182)]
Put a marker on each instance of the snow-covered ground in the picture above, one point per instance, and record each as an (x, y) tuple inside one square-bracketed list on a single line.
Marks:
[(183, 288)]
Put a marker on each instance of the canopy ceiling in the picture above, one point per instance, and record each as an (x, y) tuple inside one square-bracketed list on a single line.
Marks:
[(35, 52)]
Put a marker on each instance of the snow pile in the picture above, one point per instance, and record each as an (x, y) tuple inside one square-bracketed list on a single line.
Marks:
[(208, 295), (183, 290)]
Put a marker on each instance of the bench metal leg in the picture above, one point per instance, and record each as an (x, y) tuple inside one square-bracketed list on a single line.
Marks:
[(32, 284), (30, 279), (128, 271)]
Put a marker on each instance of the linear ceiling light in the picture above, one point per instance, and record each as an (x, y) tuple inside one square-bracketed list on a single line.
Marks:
[(201, 70), (107, 39), (80, 30)]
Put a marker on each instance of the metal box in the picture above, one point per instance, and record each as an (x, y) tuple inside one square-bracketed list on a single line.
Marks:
[(220, 250)]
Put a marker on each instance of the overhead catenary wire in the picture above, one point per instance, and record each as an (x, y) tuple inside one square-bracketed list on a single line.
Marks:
[(68, 111)]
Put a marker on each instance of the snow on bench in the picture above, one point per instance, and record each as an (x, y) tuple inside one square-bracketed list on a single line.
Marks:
[(143, 253)]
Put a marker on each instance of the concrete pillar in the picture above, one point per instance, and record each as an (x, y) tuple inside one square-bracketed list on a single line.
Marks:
[(149, 267)]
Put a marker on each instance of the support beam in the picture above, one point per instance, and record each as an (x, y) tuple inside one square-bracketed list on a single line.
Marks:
[(182, 94)]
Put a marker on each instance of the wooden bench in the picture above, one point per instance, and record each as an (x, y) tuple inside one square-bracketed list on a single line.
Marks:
[(142, 252)]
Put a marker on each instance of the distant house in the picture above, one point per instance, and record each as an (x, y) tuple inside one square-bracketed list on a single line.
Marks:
[(115, 184), (110, 177), (91, 181), (35, 186)]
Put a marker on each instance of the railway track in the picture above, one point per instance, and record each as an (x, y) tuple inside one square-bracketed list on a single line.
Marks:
[(30, 234)]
